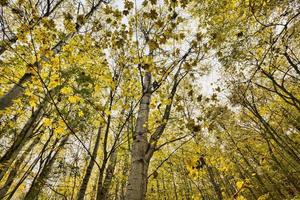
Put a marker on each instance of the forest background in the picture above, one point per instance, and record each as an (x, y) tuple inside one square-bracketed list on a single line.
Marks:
[(159, 99)]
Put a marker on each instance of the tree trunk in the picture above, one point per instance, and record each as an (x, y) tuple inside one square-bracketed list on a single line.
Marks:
[(142, 150), (30, 168), (41, 179), (15, 92), (262, 187), (284, 170), (21, 140), (89, 169), (13, 173), (105, 152), (174, 183), (108, 177), (137, 180), (214, 182), (166, 194)]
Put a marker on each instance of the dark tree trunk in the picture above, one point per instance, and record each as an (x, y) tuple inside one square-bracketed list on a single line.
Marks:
[(21, 140), (14, 171), (89, 169)]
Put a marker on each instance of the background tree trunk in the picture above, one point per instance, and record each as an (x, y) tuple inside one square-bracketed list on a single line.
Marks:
[(89, 169), (21, 140), (41, 179), (103, 194), (14, 171)]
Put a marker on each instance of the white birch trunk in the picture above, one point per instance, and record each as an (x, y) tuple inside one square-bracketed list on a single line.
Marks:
[(137, 180)]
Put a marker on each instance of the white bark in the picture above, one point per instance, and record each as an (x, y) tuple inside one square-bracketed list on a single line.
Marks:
[(137, 180)]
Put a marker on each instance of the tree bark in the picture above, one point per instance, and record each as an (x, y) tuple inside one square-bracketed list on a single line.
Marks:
[(174, 184), (89, 169), (105, 152), (16, 92), (214, 182), (21, 140), (137, 180), (103, 194), (13, 173), (142, 149)]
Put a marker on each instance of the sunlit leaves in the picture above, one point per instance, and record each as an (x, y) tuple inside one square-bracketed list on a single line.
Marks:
[(108, 58), (74, 99), (47, 122), (60, 128), (67, 90), (239, 184)]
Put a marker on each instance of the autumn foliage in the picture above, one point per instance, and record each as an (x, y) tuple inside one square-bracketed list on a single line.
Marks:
[(132, 99)]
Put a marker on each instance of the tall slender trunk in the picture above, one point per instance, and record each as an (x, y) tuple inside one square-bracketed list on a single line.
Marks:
[(228, 185), (271, 131), (105, 151), (124, 174), (100, 181), (285, 171), (89, 169), (116, 194), (266, 174), (30, 168), (214, 182), (258, 177), (21, 140), (137, 180), (174, 184), (103, 193), (41, 179), (245, 174), (14, 171), (157, 189), (15, 92), (166, 194), (142, 149)]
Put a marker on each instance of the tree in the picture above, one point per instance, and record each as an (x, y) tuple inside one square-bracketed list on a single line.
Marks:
[(151, 99)]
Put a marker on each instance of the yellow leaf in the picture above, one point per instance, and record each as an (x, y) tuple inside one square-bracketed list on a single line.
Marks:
[(28, 93), (53, 84), (69, 26), (240, 197), (61, 123), (195, 197), (32, 102), (80, 114), (126, 106), (47, 122), (59, 130), (66, 90), (166, 101), (239, 184), (60, 127), (73, 99), (44, 74)]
